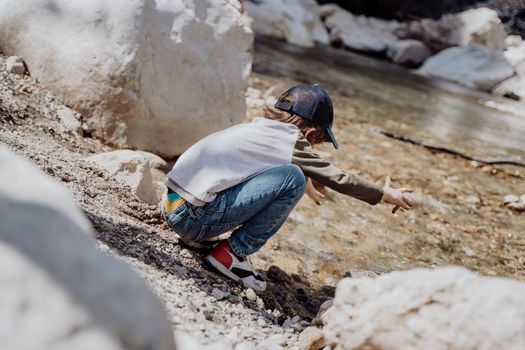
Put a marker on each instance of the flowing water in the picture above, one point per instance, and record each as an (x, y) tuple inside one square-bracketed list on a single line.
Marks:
[(459, 218), (396, 100)]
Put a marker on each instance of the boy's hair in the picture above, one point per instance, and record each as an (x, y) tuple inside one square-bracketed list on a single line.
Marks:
[(318, 136)]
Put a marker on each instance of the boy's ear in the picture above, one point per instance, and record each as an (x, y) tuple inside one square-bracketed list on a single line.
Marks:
[(309, 132)]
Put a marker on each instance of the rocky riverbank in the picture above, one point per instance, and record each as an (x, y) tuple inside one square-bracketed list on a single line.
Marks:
[(472, 48), (466, 212)]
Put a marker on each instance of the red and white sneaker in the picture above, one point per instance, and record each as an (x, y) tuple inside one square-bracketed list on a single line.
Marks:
[(237, 268)]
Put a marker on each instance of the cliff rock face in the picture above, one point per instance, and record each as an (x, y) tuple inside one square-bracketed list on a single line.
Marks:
[(446, 308), (58, 290), (155, 75)]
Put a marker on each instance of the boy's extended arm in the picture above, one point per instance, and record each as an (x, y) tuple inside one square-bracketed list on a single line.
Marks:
[(327, 174)]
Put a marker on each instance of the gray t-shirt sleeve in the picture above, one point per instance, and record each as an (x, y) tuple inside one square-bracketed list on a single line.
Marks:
[(327, 174)]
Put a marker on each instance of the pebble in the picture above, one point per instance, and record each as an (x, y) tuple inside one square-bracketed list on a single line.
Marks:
[(250, 294), (287, 323), (311, 338), (260, 303), (473, 200), (519, 206), (510, 198), (185, 254), (218, 294), (15, 65)]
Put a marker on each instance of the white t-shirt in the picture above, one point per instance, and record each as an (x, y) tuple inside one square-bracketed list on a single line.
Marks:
[(230, 156)]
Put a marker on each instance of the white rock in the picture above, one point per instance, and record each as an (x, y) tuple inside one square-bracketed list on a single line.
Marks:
[(516, 57), (519, 206), (359, 32), (69, 119), (408, 52), (129, 168), (443, 308), (154, 160), (513, 41), (250, 294), (58, 290), (472, 66), (483, 26), (15, 65), (155, 75), (296, 21), (510, 198), (260, 303), (311, 339)]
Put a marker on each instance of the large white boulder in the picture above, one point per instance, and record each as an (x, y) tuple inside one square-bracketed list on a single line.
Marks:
[(473, 66), (372, 35), (58, 290), (148, 74), (445, 308), (358, 32), (130, 168), (296, 21), (481, 26)]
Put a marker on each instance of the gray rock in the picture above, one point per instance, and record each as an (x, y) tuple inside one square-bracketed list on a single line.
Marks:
[(58, 289), (218, 294), (408, 52)]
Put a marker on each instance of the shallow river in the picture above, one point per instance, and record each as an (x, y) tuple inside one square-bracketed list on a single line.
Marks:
[(396, 100)]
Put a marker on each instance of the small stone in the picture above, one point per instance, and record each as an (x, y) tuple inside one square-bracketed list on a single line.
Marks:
[(510, 198), (311, 339), (260, 303), (296, 319), (519, 206), (15, 65), (473, 200), (287, 323), (250, 294), (522, 198), (185, 254), (69, 119), (322, 309), (218, 294), (469, 252)]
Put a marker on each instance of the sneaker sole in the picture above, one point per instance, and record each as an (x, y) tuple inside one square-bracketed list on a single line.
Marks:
[(220, 267)]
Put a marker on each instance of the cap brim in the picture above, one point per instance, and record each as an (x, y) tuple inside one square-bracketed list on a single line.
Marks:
[(331, 136)]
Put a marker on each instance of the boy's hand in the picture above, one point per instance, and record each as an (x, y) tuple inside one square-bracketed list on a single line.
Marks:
[(312, 193), (395, 196)]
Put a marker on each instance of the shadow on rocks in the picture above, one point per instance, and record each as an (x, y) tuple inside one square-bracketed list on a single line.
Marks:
[(292, 295)]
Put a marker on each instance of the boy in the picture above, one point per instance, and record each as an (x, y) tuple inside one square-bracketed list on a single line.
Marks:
[(250, 176)]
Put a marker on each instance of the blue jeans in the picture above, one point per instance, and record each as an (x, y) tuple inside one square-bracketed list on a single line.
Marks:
[(258, 207)]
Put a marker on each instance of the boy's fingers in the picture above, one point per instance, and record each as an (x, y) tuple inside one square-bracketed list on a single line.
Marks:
[(387, 181), (406, 189)]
